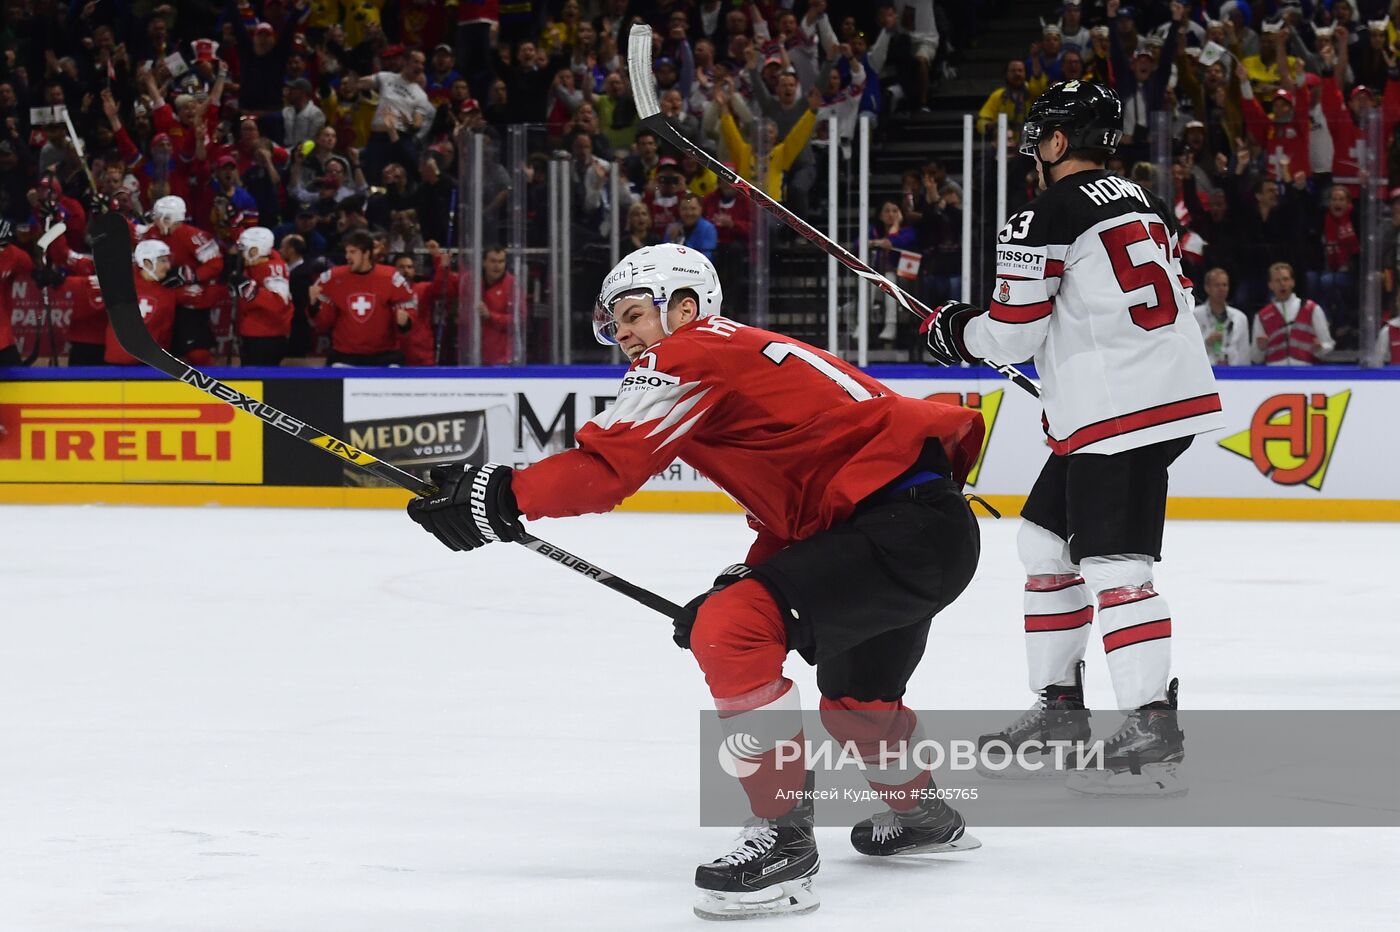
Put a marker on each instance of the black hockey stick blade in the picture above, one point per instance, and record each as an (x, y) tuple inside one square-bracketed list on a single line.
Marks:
[(111, 254), (649, 110)]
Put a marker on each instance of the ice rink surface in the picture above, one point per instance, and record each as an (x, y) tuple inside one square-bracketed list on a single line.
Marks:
[(258, 720)]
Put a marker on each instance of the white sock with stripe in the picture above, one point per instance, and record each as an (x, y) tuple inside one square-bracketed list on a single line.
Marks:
[(1136, 626), (1058, 608)]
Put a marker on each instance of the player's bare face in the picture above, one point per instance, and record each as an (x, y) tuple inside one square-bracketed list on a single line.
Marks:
[(638, 325), (358, 259)]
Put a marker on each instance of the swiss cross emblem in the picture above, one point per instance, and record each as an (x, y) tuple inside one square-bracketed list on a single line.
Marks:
[(361, 305), (147, 308)]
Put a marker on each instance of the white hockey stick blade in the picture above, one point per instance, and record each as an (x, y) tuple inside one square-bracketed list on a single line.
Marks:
[(639, 70), (51, 234)]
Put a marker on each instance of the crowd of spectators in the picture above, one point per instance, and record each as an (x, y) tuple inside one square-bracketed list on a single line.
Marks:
[(1266, 108), (326, 120), (321, 119)]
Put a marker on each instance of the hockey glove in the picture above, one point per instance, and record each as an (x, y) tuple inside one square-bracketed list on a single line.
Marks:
[(680, 627), (944, 330), (473, 507), (247, 289), (47, 276)]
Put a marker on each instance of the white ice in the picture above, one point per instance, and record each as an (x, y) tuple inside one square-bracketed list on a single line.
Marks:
[(258, 720)]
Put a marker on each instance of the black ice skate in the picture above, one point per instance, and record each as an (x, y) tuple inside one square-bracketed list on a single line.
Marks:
[(1058, 716), (932, 828), (1141, 759), (769, 872)]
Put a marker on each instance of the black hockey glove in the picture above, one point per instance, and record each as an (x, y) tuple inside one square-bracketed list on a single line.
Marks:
[(473, 507), (47, 276), (944, 330), (680, 627)]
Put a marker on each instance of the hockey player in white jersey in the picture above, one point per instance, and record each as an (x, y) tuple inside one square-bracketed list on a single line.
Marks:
[(1089, 284)]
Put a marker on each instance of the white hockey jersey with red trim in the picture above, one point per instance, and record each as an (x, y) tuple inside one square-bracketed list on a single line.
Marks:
[(1089, 284)]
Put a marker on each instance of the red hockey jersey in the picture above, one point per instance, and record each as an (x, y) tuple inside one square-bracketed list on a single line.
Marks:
[(157, 310), (269, 312), (192, 251), (14, 263), (89, 321), (793, 434), (359, 309)]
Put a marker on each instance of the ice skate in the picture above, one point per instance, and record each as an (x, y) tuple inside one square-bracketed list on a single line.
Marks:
[(769, 872), (1142, 758), (1058, 716), (933, 828)]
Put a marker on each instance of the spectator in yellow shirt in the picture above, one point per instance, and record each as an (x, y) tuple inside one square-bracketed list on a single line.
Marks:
[(781, 152), (1263, 69), (1013, 99)]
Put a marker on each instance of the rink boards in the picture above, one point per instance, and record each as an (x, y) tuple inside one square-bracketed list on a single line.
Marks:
[(1309, 444)]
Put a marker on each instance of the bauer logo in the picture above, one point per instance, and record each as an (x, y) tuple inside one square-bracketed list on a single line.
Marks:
[(1291, 437), (125, 432), (734, 753), (989, 405)]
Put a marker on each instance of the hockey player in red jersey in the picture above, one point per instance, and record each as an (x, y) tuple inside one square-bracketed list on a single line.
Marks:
[(157, 301), (196, 259), (264, 300), (193, 252), (15, 262), (363, 306), (87, 327), (1089, 284), (862, 537)]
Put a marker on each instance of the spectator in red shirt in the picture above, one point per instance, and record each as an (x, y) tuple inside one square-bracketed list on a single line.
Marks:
[(363, 306), (731, 213), (496, 308), (418, 342), (663, 196)]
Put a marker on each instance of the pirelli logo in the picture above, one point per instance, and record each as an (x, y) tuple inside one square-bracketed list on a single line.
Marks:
[(124, 432)]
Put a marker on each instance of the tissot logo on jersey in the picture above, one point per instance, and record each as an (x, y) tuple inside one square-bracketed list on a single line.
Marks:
[(1021, 260), (1291, 437), (643, 379)]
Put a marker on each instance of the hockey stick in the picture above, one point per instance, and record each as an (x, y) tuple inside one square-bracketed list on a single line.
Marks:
[(44, 242), (649, 110), (111, 253)]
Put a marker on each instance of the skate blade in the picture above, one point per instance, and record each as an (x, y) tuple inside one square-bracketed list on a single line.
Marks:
[(791, 898), (965, 842), (1157, 781), (1015, 774)]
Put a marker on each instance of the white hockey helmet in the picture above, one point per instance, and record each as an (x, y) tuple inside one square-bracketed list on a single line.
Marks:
[(149, 251), (255, 238), (168, 211), (661, 271)]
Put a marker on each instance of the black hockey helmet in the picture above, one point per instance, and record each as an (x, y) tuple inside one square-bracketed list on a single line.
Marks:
[(1089, 114)]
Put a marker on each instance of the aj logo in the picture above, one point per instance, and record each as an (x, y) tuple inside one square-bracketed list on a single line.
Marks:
[(1291, 437), (989, 404)]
